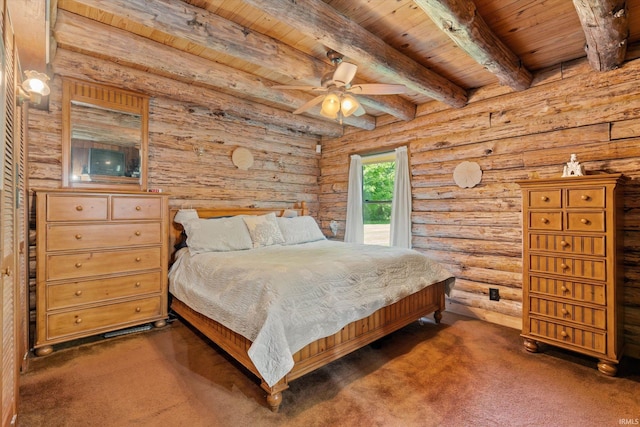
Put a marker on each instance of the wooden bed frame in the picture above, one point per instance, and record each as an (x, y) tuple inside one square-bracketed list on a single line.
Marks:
[(353, 336)]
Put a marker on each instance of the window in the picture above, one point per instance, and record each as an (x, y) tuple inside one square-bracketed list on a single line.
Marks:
[(400, 218), (378, 172)]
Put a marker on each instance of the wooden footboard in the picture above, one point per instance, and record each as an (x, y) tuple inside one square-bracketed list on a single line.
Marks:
[(353, 336)]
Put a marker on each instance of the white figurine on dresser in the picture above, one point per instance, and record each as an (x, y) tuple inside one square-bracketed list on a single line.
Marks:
[(573, 167)]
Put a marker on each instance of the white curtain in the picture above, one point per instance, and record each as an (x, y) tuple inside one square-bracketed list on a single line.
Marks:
[(354, 229), (401, 204)]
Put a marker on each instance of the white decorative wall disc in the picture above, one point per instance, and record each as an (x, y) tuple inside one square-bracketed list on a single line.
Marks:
[(242, 158), (467, 174)]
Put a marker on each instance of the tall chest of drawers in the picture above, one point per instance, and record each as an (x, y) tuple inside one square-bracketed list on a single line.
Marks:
[(572, 273), (101, 263)]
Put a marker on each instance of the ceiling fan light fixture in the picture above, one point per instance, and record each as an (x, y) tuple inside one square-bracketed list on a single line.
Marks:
[(329, 116), (330, 106), (348, 105), (339, 103)]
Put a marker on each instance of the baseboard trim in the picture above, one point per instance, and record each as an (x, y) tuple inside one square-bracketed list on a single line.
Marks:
[(631, 350), (486, 315)]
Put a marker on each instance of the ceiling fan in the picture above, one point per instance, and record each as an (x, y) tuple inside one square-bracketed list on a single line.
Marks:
[(337, 91)]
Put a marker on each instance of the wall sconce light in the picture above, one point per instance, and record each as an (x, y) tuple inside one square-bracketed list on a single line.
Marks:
[(199, 150), (33, 88)]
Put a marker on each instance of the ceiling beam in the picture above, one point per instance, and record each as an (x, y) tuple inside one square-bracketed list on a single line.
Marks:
[(199, 32), (460, 20), (73, 32), (93, 39), (606, 27), (334, 30), (77, 65), (390, 104)]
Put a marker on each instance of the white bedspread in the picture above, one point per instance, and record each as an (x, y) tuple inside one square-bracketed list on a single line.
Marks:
[(285, 297)]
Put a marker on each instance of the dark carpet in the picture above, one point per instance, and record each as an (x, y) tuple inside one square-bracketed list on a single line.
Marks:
[(463, 372)]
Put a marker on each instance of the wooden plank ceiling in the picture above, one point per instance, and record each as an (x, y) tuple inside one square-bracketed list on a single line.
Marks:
[(439, 49)]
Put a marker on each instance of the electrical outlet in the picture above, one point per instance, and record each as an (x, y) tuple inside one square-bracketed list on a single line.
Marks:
[(494, 294)]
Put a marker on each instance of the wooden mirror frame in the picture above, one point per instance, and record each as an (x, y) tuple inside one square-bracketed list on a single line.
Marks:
[(104, 98)]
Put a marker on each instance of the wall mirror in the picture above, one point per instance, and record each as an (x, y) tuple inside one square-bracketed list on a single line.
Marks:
[(105, 134)]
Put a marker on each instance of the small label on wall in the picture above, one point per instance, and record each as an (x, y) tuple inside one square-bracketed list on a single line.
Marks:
[(318, 148)]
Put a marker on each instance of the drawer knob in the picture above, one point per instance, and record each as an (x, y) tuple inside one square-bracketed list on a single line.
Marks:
[(564, 311), (138, 208), (544, 198), (79, 208), (78, 236), (564, 334), (545, 220), (138, 309), (78, 292), (564, 243), (78, 264), (79, 320), (584, 221), (564, 289), (564, 266), (585, 197), (137, 285), (138, 259), (137, 233)]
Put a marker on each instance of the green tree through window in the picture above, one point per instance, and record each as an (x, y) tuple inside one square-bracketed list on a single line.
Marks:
[(377, 192)]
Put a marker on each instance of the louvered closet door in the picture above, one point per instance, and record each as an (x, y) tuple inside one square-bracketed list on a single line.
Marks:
[(21, 279), (8, 229)]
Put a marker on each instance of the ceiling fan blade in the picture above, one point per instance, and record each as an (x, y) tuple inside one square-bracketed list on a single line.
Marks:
[(360, 111), (344, 73), (309, 104), (377, 89), (313, 88)]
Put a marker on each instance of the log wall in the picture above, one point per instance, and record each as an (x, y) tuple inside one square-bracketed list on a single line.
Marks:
[(477, 232), (181, 117), (285, 168)]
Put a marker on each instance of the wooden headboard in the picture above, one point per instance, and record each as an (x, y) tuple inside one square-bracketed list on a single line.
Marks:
[(175, 229)]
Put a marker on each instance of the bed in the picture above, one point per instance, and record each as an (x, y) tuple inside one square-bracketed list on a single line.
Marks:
[(278, 299)]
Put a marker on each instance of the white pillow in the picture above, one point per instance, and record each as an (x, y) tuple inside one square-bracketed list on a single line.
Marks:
[(217, 234), (301, 229), (184, 215), (263, 229), (289, 213)]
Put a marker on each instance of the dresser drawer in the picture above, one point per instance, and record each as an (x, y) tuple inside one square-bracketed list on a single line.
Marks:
[(91, 291), (136, 208), (592, 340), (594, 317), (551, 198), (77, 208), (108, 316), (86, 264), (574, 290), (586, 197), (86, 236), (549, 220), (585, 221), (576, 267), (579, 245)]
